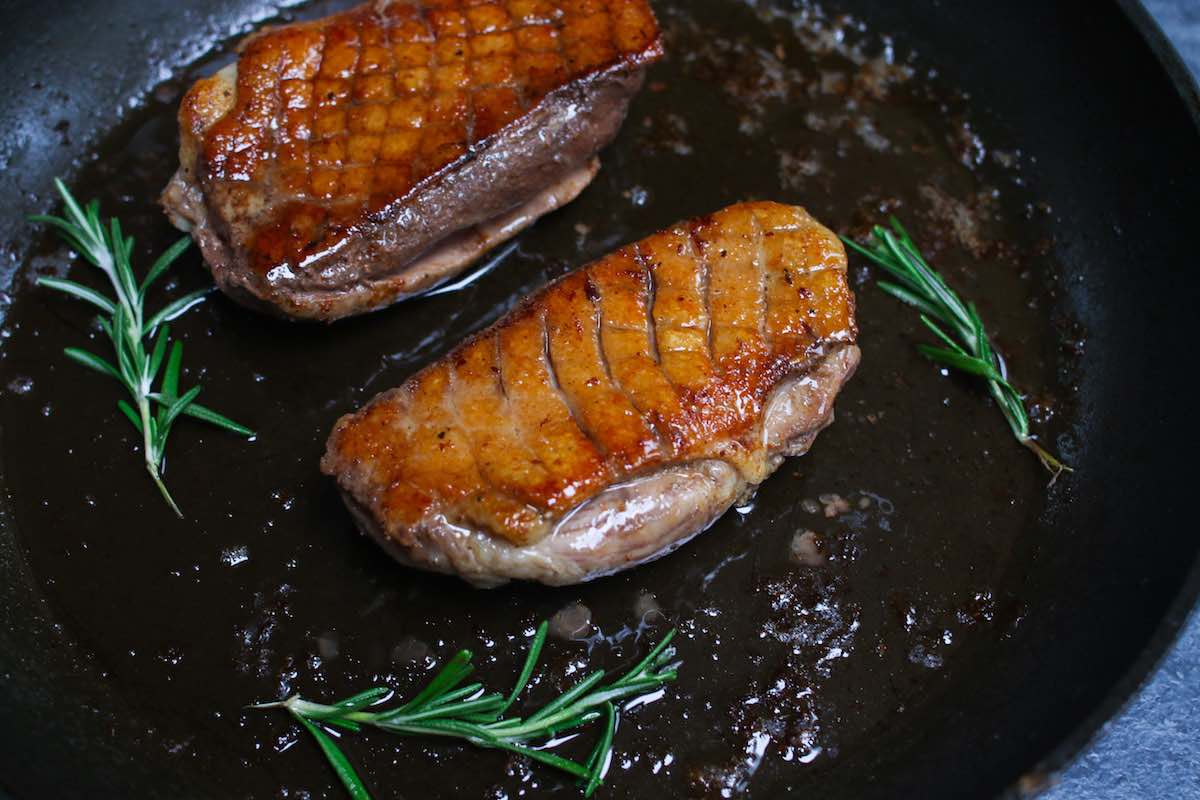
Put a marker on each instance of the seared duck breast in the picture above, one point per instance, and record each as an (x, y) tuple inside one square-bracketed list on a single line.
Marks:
[(344, 164), (616, 413)]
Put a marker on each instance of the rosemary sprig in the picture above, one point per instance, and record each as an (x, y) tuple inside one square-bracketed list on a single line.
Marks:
[(444, 708), (955, 323), (128, 326)]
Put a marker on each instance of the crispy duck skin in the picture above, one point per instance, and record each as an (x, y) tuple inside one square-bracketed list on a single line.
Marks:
[(346, 163), (616, 413)]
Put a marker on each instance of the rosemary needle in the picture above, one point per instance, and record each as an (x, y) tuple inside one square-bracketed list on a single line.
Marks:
[(957, 324), (130, 328), (469, 713)]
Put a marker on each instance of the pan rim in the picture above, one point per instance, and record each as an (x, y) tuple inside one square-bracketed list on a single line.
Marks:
[(1185, 608)]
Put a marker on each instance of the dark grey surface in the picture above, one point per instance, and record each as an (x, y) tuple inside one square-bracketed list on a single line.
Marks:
[(1152, 749), (1180, 20)]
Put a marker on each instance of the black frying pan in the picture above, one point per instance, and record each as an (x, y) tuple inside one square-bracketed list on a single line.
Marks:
[(985, 625)]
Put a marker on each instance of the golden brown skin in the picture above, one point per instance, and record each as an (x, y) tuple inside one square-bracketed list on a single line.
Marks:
[(666, 352), (325, 128)]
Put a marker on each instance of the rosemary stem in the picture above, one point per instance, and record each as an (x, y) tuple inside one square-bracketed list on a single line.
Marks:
[(549, 722), (148, 449), (1018, 420), (955, 323), (468, 713), (124, 321), (162, 488), (1015, 416), (1051, 463)]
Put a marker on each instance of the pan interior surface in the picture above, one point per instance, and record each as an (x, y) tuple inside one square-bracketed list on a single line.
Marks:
[(968, 626)]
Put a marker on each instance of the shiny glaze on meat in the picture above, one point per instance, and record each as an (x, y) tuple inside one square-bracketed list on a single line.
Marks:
[(664, 352), (328, 124)]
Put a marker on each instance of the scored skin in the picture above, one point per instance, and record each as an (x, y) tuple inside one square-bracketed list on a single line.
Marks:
[(616, 413), (319, 172)]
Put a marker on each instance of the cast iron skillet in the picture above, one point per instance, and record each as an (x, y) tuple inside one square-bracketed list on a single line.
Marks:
[(971, 628)]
